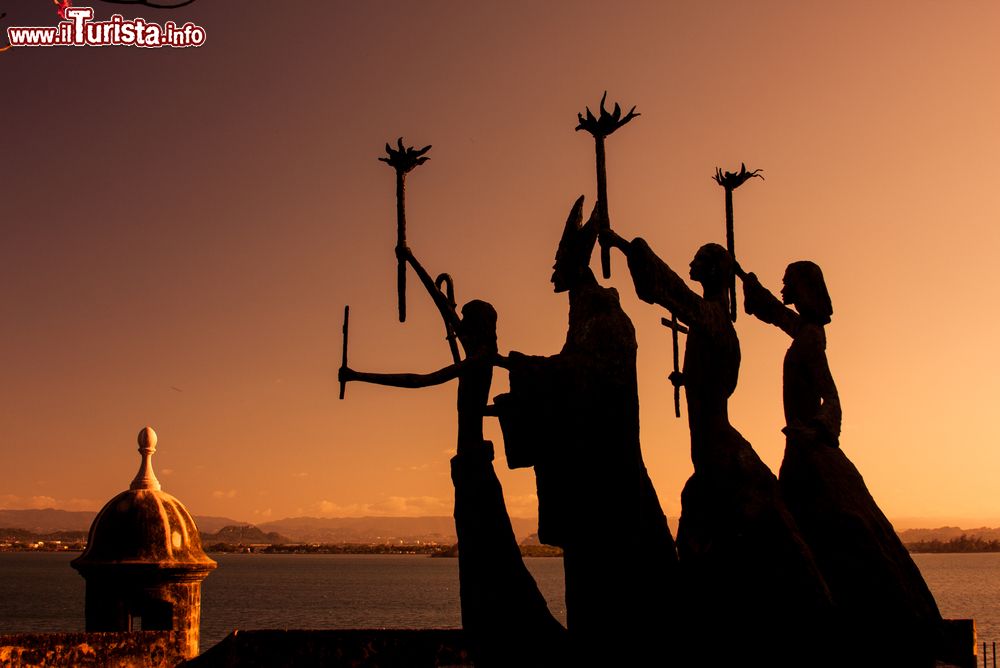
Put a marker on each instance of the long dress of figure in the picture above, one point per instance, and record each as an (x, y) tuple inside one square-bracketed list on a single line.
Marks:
[(574, 416), (505, 616), (746, 567), (871, 575)]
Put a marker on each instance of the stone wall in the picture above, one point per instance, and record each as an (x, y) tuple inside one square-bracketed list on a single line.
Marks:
[(383, 648), (137, 649)]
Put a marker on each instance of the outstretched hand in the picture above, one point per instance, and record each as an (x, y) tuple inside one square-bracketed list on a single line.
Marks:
[(346, 374), (403, 253), (608, 238), (802, 432), (513, 361), (751, 292)]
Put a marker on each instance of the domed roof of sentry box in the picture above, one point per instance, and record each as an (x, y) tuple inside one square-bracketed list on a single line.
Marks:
[(144, 525)]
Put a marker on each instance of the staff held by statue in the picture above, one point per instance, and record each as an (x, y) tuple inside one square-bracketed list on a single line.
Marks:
[(446, 286), (343, 357)]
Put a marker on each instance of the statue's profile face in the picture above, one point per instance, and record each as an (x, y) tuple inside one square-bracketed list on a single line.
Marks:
[(702, 266), (805, 289), (710, 265), (697, 272), (561, 278), (788, 288)]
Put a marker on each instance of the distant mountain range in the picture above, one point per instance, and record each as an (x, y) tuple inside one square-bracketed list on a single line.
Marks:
[(49, 520), (246, 534), (294, 529), (366, 530)]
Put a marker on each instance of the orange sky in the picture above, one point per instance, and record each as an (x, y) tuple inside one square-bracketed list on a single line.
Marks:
[(196, 219)]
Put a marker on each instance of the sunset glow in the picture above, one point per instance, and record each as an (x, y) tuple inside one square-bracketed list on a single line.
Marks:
[(183, 227)]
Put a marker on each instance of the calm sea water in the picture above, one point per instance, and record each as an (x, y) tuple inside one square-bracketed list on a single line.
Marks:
[(40, 592)]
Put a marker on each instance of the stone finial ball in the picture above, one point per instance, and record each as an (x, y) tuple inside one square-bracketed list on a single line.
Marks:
[(147, 438)]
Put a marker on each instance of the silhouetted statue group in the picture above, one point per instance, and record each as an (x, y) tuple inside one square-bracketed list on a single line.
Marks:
[(803, 569)]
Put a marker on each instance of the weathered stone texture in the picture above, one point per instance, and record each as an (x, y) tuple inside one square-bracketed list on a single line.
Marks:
[(368, 648), (139, 649)]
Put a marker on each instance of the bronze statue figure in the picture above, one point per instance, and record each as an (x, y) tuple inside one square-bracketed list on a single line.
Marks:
[(574, 416), (872, 578), (504, 614)]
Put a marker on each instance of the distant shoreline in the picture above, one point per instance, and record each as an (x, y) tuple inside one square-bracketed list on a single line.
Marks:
[(403, 536), (962, 545), (428, 549)]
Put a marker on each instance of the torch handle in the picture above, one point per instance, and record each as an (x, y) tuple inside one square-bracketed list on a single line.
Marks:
[(731, 247), (606, 261), (401, 242), (602, 202), (343, 356), (401, 289)]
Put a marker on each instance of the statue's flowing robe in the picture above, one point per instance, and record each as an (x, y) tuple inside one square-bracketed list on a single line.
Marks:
[(506, 619), (574, 416), (872, 578), (741, 555)]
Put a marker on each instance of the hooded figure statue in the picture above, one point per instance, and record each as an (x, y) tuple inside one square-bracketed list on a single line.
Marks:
[(574, 417)]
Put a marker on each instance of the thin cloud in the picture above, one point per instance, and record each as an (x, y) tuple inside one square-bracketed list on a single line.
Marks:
[(331, 509), (393, 506), (419, 467), (14, 502), (41, 501), (412, 505)]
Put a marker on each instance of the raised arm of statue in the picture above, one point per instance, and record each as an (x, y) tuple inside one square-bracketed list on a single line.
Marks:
[(409, 380), (440, 300), (759, 302), (656, 283)]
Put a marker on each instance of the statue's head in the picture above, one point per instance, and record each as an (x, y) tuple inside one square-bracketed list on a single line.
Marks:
[(478, 328), (712, 266), (575, 247), (805, 289)]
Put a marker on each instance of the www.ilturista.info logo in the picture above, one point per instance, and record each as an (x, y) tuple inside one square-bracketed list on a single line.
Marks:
[(79, 29)]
